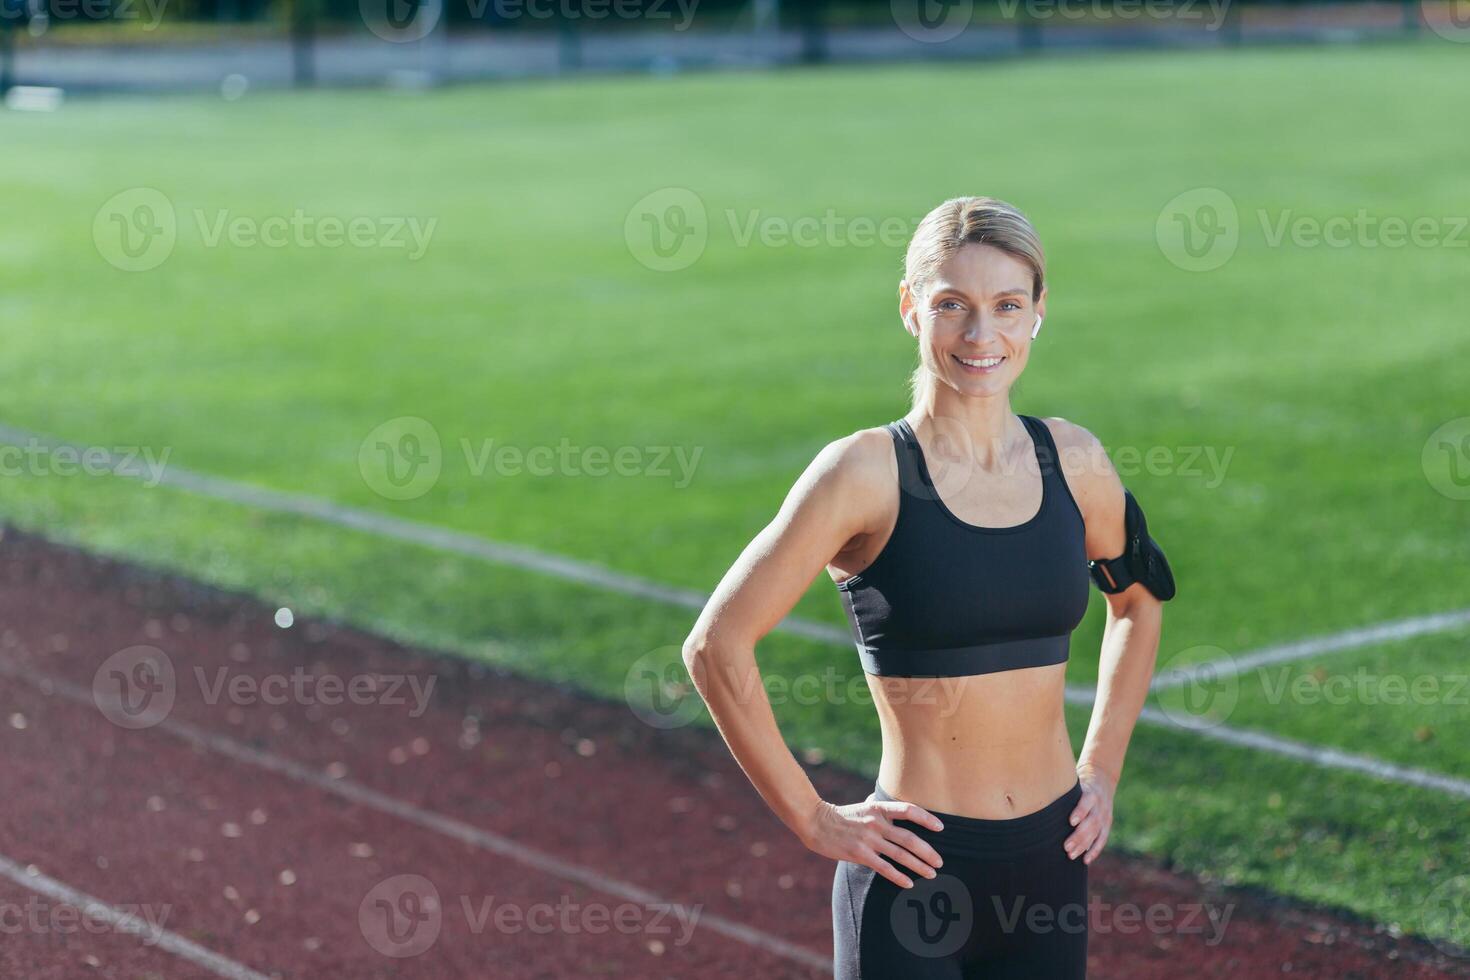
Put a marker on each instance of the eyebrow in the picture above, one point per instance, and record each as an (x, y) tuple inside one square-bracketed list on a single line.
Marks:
[(1013, 291)]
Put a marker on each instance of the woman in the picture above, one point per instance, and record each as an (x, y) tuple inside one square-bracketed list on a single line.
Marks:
[(959, 539)]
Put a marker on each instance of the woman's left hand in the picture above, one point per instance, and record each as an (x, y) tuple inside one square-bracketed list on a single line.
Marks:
[(1093, 817)]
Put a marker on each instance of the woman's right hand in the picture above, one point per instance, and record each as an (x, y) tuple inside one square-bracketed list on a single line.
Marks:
[(864, 833)]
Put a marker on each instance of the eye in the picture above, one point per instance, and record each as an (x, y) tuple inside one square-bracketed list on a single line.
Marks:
[(949, 305), (1012, 304)]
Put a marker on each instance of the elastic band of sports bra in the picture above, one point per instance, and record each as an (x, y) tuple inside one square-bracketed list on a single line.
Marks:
[(985, 658), (981, 838)]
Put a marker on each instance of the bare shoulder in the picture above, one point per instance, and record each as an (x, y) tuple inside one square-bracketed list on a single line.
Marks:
[(856, 473), (866, 456), (1089, 470), (857, 465)]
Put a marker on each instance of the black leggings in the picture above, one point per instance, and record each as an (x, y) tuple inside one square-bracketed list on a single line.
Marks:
[(1007, 903)]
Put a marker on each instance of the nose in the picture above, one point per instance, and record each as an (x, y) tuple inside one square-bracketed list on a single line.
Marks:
[(979, 329)]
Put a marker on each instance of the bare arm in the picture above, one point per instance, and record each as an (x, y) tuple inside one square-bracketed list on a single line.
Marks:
[(1130, 640), (838, 498)]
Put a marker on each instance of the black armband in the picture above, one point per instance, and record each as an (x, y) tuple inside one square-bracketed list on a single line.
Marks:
[(1142, 559)]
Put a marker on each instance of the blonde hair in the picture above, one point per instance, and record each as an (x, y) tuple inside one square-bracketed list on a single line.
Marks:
[(964, 221)]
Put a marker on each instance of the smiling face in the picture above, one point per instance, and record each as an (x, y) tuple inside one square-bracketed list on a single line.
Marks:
[(973, 319)]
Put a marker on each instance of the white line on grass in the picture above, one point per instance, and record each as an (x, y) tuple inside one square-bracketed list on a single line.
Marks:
[(597, 576), (99, 911), (413, 532), (1318, 755), (438, 823), (1399, 629)]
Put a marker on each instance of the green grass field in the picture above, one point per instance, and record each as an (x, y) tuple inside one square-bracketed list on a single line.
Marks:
[(1320, 370)]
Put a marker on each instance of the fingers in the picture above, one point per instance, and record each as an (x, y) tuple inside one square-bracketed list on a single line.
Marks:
[(1084, 806), (873, 860), (906, 858), (1091, 832), (1079, 842), (915, 844), (1096, 848), (1086, 817), (895, 810)]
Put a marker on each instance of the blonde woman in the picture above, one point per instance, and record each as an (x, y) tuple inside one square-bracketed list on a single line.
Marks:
[(959, 538)]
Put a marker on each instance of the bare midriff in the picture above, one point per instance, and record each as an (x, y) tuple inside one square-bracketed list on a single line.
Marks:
[(991, 746)]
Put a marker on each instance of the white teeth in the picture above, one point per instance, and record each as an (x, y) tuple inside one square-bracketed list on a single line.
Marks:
[(983, 362)]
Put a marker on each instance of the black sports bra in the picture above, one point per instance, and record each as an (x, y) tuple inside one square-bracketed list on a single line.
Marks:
[(945, 598)]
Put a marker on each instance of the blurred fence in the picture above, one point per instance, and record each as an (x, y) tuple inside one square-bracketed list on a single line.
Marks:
[(231, 45)]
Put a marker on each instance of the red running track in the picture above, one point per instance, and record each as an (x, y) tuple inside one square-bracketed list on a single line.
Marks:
[(456, 822)]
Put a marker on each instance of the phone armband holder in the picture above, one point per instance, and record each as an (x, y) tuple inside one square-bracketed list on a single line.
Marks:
[(1142, 559)]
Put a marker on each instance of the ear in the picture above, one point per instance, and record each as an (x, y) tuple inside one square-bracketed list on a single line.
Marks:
[(907, 308), (1041, 303)]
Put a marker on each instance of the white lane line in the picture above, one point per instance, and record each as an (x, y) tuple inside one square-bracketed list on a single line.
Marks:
[(1318, 755), (438, 823), (412, 532), (597, 576), (126, 922), (1398, 629), (601, 577)]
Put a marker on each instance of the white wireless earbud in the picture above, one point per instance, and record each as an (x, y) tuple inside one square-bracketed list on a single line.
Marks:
[(1036, 329)]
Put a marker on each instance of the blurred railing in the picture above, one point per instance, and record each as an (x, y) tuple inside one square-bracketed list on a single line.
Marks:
[(231, 45)]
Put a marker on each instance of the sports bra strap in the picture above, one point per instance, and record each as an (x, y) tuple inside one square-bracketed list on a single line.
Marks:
[(1046, 447), (906, 449)]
